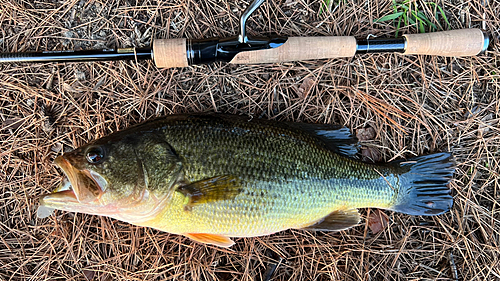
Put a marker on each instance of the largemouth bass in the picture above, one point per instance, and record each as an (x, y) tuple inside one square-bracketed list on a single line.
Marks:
[(212, 177)]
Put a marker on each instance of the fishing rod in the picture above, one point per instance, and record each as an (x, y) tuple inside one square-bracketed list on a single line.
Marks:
[(244, 49)]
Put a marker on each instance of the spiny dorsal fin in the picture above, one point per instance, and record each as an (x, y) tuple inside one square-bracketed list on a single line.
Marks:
[(214, 239), (336, 221), (336, 138), (212, 189)]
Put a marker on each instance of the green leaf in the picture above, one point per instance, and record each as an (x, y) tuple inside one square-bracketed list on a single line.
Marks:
[(389, 17), (443, 15), (421, 26), (422, 16), (397, 29), (426, 20), (407, 13), (325, 6), (405, 19)]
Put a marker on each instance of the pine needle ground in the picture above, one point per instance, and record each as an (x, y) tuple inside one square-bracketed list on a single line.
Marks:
[(415, 104)]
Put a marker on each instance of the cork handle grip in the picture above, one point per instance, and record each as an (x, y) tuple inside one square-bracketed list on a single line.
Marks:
[(170, 53), (301, 48), (453, 43)]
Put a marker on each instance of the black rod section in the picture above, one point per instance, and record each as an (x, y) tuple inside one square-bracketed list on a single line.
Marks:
[(385, 45), (211, 50), (78, 56)]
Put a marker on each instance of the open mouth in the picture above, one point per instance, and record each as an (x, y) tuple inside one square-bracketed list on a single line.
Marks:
[(65, 189), (85, 185), (79, 187)]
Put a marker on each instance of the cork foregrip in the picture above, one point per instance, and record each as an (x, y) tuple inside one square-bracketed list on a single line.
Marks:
[(301, 48), (453, 43), (170, 53)]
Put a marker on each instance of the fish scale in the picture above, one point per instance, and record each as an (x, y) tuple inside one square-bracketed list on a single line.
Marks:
[(269, 157)]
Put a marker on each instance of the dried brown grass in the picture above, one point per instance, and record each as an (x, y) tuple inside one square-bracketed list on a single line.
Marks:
[(416, 104)]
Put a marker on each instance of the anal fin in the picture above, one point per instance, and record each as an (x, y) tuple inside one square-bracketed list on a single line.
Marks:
[(336, 221), (213, 239)]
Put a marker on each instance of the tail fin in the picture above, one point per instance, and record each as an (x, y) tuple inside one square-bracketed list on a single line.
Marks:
[(424, 190)]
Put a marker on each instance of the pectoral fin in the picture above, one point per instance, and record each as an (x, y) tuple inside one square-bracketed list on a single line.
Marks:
[(212, 189), (213, 239), (336, 221)]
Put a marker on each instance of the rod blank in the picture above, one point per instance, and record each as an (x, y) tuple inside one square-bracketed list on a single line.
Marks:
[(78, 56)]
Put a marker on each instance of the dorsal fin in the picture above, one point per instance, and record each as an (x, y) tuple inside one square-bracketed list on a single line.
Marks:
[(336, 221), (336, 138)]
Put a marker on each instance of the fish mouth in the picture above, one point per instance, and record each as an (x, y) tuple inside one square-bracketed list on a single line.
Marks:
[(79, 186)]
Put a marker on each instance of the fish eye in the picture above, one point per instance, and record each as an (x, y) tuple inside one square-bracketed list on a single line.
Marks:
[(95, 155)]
